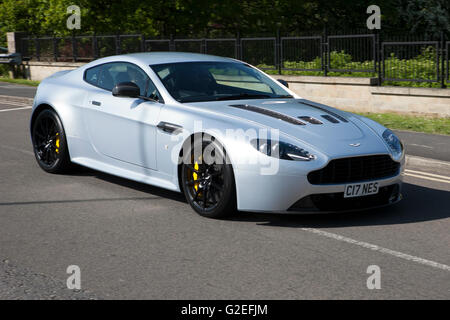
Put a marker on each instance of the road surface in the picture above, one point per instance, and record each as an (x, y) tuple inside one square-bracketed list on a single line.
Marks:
[(131, 240)]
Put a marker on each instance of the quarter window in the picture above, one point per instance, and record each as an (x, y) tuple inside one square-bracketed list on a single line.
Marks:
[(92, 75)]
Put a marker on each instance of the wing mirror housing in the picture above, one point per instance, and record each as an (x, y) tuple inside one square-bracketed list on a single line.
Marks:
[(126, 89), (283, 82)]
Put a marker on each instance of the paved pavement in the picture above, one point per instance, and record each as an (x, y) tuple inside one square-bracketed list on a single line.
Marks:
[(136, 241)]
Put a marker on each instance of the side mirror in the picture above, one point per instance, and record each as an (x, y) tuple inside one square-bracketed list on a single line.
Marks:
[(126, 89), (283, 82)]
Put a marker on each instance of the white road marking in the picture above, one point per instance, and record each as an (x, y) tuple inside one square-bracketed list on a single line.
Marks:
[(379, 249), (427, 174), (14, 103), (13, 109), (8, 98), (426, 178), (420, 145)]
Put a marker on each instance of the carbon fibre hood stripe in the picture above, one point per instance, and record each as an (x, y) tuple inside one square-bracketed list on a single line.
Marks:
[(269, 113), (325, 110)]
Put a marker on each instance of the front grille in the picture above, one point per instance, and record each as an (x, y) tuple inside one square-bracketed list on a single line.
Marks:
[(336, 202), (348, 170)]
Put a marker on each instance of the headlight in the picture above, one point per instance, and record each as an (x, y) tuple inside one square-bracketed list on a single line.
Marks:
[(394, 143), (281, 150)]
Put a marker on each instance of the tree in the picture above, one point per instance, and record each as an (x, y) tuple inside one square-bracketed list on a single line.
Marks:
[(425, 16), (206, 17)]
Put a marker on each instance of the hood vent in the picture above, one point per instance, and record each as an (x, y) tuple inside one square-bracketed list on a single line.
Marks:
[(269, 113), (310, 120), (325, 110), (329, 118)]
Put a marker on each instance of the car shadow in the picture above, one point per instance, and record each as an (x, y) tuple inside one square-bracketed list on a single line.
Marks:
[(419, 204), (138, 186)]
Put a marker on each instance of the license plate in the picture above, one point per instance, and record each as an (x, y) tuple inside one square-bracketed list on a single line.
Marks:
[(360, 189)]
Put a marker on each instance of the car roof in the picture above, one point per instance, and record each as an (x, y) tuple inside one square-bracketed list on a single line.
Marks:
[(160, 57), (153, 58)]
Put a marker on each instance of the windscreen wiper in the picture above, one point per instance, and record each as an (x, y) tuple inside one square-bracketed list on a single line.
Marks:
[(284, 96), (244, 96)]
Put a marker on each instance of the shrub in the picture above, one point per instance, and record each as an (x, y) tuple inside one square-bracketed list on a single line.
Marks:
[(422, 67), (4, 70)]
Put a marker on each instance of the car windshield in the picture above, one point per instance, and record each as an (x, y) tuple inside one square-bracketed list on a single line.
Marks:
[(215, 81)]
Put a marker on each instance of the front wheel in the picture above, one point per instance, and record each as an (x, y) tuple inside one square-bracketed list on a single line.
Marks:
[(49, 143), (208, 180)]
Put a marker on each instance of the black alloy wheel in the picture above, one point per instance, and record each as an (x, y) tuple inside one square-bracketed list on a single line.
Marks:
[(208, 180), (49, 142)]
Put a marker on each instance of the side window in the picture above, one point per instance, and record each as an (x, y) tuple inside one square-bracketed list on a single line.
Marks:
[(106, 78), (91, 76), (108, 75), (136, 75)]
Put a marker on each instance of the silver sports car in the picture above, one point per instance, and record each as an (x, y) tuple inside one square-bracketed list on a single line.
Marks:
[(217, 129)]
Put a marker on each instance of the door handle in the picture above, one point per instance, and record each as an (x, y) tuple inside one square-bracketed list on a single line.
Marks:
[(96, 103), (169, 127)]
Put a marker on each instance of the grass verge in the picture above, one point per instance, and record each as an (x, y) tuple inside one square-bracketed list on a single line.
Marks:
[(411, 123), (20, 81)]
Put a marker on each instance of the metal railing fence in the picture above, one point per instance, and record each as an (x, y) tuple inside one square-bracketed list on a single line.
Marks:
[(415, 61)]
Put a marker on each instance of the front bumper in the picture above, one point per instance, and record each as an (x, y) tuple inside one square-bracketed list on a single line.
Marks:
[(335, 202), (293, 193)]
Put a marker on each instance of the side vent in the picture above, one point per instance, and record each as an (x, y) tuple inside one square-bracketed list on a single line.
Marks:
[(269, 113), (310, 120), (325, 110), (329, 118)]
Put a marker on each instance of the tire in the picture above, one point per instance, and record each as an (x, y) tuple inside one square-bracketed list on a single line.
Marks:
[(49, 143), (209, 179)]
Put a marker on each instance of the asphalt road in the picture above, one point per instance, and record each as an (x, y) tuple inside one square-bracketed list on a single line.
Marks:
[(136, 241), (10, 89), (425, 145)]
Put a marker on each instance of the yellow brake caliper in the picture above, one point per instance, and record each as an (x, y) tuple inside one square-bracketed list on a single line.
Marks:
[(195, 175), (57, 143)]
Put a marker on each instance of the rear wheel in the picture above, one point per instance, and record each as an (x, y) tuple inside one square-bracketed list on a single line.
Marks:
[(208, 180), (49, 143)]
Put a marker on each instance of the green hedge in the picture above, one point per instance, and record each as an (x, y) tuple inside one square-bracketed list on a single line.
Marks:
[(4, 70), (421, 67)]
